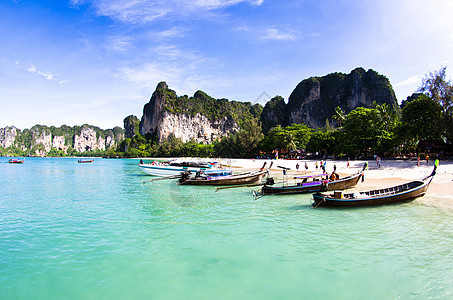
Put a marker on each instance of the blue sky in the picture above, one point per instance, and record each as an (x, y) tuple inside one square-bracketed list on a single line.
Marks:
[(97, 61)]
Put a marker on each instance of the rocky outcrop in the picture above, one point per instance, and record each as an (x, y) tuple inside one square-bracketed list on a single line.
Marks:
[(39, 140), (58, 142), (200, 118), (313, 101), (42, 137), (273, 113), (131, 126), (8, 136), (197, 128), (152, 111), (87, 140)]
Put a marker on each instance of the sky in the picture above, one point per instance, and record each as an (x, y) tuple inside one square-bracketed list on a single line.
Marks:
[(97, 61)]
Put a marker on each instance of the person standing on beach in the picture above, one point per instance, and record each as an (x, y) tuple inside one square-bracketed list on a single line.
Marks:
[(347, 166), (297, 168), (427, 160), (306, 167), (316, 166), (418, 161)]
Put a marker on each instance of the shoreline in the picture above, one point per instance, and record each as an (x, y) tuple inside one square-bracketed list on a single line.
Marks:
[(392, 172)]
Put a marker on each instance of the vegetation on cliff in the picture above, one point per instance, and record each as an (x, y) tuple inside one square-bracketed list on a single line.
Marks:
[(314, 100), (203, 104), (273, 113), (29, 142)]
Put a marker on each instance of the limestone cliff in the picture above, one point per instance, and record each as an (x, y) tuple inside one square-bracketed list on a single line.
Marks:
[(131, 126), (88, 140), (273, 113), (313, 101), (201, 117), (40, 140), (41, 136), (8, 136), (198, 127)]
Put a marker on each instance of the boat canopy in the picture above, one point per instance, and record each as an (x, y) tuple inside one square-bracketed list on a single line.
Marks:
[(310, 176)]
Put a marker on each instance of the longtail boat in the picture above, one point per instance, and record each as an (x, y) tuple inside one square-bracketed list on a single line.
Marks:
[(315, 185), (236, 179), (176, 168), (85, 161), (400, 193), (16, 161)]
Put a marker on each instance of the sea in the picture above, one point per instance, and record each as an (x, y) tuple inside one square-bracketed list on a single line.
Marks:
[(96, 231)]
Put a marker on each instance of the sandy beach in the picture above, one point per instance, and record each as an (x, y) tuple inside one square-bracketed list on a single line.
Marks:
[(391, 172)]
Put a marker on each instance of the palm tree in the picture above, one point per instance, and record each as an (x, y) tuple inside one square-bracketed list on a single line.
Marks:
[(339, 116)]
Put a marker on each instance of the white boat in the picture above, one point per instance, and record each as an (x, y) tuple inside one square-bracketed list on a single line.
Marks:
[(164, 170)]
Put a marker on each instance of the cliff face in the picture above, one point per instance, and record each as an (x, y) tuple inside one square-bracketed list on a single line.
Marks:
[(201, 117), (87, 140), (198, 127), (8, 136), (313, 101), (273, 113), (41, 137), (131, 126), (152, 111), (40, 140)]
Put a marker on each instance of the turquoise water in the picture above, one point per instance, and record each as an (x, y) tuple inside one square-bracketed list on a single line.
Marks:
[(94, 231)]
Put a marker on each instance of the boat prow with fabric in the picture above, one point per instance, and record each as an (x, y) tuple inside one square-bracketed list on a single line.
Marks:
[(313, 186), (165, 170), (235, 179), (399, 193)]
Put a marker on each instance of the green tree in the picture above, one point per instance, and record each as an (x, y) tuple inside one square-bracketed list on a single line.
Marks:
[(339, 116), (436, 86), (291, 137), (421, 120), (324, 142), (244, 143), (360, 131)]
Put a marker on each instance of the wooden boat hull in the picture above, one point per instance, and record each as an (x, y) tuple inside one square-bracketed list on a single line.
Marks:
[(400, 193), (165, 171), (310, 187), (85, 161), (244, 178), (16, 161)]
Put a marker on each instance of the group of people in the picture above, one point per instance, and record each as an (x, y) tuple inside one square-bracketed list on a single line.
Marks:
[(427, 161), (322, 165)]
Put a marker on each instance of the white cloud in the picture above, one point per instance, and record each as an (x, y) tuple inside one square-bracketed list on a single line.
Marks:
[(278, 35), (410, 80), (120, 43), (146, 11), (216, 4), (172, 32), (184, 71), (32, 69), (46, 75)]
